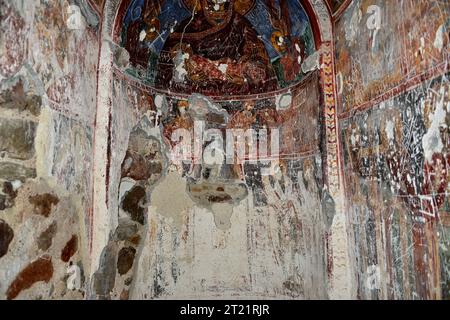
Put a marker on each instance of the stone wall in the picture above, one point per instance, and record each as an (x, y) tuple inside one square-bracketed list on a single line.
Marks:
[(48, 74)]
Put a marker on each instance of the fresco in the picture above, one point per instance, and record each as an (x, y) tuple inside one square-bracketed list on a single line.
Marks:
[(351, 203), (376, 51), (398, 184), (217, 47), (232, 230), (393, 102)]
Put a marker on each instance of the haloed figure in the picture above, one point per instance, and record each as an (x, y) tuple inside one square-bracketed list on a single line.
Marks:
[(215, 52)]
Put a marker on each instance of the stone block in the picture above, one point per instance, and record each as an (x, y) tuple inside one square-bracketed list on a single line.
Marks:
[(17, 138)]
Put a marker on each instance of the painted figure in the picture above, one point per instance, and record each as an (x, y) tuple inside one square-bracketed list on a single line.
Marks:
[(216, 51)]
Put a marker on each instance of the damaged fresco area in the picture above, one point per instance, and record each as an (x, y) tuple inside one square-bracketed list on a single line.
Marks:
[(46, 147), (396, 171), (198, 230), (187, 229)]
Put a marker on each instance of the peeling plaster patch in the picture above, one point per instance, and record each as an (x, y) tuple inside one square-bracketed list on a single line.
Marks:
[(134, 203), (12, 40), (284, 101), (170, 199), (218, 198), (44, 144), (222, 215), (432, 141), (142, 35), (6, 236), (390, 127), (90, 16), (161, 104), (180, 71), (421, 50), (103, 279), (341, 286), (70, 249), (439, 39), (39, 270), (312, 62)]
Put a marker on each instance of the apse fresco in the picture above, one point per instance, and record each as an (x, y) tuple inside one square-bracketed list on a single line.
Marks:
[(217, 47)]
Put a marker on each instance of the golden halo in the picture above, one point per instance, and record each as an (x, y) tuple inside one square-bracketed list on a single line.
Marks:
[(153, 29), (280, 47)]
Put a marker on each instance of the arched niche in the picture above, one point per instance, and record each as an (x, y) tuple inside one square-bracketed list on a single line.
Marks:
[(105, 218)]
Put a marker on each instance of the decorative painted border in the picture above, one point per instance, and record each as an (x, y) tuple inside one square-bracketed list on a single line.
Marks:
[(333, 178)]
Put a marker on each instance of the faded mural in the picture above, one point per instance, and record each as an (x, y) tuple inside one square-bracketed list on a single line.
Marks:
[(336, 5), (394, 105), (197, 230)]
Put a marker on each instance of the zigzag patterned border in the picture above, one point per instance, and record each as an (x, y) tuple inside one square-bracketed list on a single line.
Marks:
[(331, 121)]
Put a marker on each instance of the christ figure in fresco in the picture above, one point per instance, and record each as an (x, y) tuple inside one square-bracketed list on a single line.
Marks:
[(215, 52)]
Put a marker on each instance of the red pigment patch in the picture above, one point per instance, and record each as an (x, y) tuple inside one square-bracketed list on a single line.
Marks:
[(70, 249), (39, 270)]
